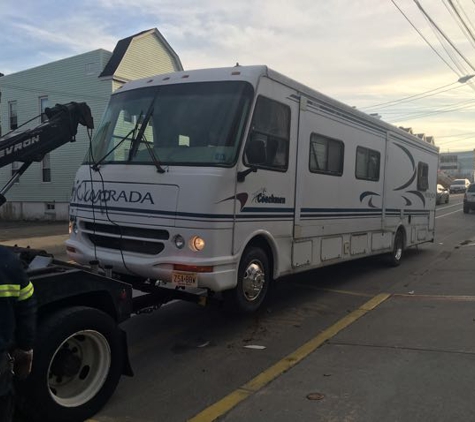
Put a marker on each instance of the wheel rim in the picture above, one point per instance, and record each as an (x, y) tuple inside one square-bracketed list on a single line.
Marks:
[(253, 280), (79, 368), (398, 249)]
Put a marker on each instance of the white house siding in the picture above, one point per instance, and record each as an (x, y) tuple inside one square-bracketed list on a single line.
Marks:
[(72, 79), (146, 56)]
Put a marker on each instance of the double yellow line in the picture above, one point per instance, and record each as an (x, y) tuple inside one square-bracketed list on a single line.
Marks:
[(224, 405)]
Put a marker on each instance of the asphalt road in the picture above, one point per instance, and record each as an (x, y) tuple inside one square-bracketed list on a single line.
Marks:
[(187, 358)]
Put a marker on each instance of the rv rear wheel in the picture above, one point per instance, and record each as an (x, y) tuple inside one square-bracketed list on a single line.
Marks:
[(252, 284), (395, 257)]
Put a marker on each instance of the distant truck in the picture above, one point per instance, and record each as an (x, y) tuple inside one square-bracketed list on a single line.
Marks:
[(223, 180), (459, 186)]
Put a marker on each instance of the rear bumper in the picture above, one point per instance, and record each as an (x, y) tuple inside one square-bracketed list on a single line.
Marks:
[(469, 205)]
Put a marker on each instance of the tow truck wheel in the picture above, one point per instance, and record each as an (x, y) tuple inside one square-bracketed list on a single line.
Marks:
[(77, 364), (252, 285)]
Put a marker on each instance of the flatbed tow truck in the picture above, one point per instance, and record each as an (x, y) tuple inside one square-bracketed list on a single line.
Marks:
[(80, 352)]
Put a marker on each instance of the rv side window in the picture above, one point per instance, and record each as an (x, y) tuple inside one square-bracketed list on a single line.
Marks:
[(422, 176), (271, 127), (326, 155), (367, 164)]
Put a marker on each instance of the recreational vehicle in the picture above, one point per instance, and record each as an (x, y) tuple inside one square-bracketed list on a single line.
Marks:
[(223, 180)]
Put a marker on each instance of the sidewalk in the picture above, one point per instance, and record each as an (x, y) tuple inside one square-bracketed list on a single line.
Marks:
[(410, 358), (38, 235)]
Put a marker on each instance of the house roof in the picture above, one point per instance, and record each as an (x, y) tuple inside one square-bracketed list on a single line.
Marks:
[(122, 46)]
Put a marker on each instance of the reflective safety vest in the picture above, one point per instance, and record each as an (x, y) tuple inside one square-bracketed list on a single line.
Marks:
[(15, 290)]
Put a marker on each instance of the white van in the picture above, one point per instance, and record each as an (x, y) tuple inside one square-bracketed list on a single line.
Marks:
[(226, 179), (459, 185)]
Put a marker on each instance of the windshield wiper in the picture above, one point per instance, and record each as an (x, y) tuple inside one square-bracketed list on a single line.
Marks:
[(96, 164), (138, 140)]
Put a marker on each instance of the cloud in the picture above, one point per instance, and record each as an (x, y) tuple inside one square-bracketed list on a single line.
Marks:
[(361, 52)]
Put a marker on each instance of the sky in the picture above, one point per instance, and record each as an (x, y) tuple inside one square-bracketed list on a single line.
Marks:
[(365, 53)]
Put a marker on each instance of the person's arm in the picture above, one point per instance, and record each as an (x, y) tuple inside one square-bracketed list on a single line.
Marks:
[(25, 313)]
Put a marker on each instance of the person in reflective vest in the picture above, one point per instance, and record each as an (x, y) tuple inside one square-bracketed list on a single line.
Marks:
[(17, 327)]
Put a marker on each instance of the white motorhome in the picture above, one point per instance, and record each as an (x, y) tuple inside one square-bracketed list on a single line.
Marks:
[(226, 179)]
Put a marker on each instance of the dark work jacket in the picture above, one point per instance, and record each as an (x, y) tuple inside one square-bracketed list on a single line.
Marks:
[(17, 304)]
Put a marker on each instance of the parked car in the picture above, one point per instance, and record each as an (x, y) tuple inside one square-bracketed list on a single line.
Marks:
[(459, 185), (442, 195), (469, 199)]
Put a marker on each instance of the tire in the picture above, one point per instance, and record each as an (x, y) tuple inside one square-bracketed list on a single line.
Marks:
[(394, 258), (78, 361), (447, 200), (466, 210), (253, 283)]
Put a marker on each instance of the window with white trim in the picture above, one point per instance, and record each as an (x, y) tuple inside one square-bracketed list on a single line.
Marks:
[(326, 155), (15, 167), (43, 103), (46, 168), (367, 164), (13, 114), (422, 176)]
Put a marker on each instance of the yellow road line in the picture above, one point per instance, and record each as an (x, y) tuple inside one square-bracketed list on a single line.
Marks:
[(343, 292), (448, 298), (233, 399)]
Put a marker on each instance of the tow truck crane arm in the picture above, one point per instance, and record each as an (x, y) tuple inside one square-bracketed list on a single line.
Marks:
[(31, 145)]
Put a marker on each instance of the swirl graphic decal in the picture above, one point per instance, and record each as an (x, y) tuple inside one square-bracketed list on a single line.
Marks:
[(241, 197), (414, 170), (371, 195)]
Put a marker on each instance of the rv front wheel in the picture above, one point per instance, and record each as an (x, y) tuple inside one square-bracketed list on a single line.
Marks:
[(253, 282), (395, 256)]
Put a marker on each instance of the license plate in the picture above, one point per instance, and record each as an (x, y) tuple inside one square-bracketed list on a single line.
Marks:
[(185, 279)]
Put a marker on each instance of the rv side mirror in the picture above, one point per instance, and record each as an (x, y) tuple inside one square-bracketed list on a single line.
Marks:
[(256, 151)]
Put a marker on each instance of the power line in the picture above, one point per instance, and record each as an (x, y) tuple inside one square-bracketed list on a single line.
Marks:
[(454, 140), (459, 134), (414, 97), (460, 21), (425, 39), (446, 47), (468, 104), (465, 14), (442, 33)]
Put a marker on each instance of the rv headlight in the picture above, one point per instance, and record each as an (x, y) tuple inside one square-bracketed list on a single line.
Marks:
[(197, 243), (179, 241)]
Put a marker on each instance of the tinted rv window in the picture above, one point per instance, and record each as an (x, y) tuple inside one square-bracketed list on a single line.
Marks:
[(422, 176), (367, 164), (326, 155), (188, 124), (270, 127)]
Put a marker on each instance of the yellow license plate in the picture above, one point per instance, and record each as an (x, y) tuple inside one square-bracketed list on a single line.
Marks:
[(185, 279)]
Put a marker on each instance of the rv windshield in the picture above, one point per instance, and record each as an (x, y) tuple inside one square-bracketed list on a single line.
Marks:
[(188, 124)]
